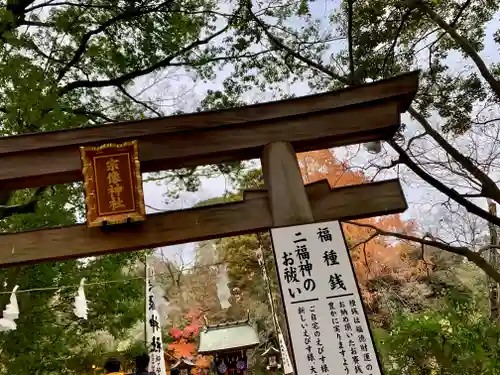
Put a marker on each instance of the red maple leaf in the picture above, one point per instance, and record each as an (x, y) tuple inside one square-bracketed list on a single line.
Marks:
[(176, 333)]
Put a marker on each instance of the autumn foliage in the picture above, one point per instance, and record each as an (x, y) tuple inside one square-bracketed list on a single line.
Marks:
[(184, 344), (374, 257), (185, 341)]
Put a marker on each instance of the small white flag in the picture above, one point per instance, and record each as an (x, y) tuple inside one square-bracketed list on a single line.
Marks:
[(80, 304), (285, 358), (223, 292), (10, 313), (260, 256)]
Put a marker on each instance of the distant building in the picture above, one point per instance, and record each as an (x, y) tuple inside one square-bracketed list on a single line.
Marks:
[(228, 343)]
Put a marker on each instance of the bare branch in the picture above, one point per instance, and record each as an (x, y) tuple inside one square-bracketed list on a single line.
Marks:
[(450, 192), (365, 241), (194, 63), (367, 265), (489, 188), (470, 255), (473, 195), (488, 248), (124, 92), (462, 42)]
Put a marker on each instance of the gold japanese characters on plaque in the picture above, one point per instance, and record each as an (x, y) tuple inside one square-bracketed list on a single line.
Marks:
[(112, 184)]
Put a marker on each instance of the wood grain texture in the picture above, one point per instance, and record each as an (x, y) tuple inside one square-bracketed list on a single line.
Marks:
[(361, 114), (288, 198), (187, 149), (402, 88), (175, 227)]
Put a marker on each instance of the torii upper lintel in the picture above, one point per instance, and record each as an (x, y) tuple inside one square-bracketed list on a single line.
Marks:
[(354, 115)]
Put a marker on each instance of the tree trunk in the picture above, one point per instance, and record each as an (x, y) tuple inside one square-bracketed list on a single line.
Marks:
[(493, 260)]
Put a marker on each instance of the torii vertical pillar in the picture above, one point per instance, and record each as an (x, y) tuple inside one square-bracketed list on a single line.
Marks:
[(287, 195), (288, 199)]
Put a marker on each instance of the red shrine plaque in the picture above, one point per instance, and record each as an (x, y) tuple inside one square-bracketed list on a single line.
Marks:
[(112, 184)]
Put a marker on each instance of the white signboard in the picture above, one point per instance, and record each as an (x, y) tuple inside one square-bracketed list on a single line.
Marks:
[(153, 332), (328, 326), (285, 358)]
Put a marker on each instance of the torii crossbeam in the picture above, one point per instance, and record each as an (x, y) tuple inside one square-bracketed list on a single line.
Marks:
[(271, 131)]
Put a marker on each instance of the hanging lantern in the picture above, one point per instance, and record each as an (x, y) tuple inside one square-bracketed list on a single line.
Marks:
[(273, 358), (221, 367)]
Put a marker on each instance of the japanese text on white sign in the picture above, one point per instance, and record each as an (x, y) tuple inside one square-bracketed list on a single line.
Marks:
[(153, 333), (328, 326)]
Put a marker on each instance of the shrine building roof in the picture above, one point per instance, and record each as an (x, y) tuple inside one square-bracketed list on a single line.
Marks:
[(184, 363), (228, 336), (270, 351)]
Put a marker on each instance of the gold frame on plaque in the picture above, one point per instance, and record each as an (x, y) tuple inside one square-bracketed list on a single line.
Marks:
[(90, 186)]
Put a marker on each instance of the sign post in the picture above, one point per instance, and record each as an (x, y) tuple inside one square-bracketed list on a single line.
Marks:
[(153, 331), (288, 200), (326, 318)]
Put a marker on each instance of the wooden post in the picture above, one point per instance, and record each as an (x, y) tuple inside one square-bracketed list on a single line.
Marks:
[(493, 286), (287, 196)]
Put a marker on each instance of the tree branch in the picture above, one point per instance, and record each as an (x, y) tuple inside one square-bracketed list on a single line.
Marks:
[(31, 44), (128, 14), (488, 248), (451, 193), (363, 242), (140, 72), (350, 41), (453, 23), (470, 255), (24, 208), (186, 63), (279, 44), (92, 114), (38, 24), (18, 9), (489, 188), (124, 92), (462, 42), (396, 37), (66, 3), (473, 195)]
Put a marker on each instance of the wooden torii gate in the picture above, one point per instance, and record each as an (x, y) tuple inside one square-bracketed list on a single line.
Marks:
[(271, 131)]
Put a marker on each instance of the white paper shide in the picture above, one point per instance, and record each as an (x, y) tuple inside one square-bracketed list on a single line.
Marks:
[(81, 308), (153, 332), (11, 313), (328, 326)]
